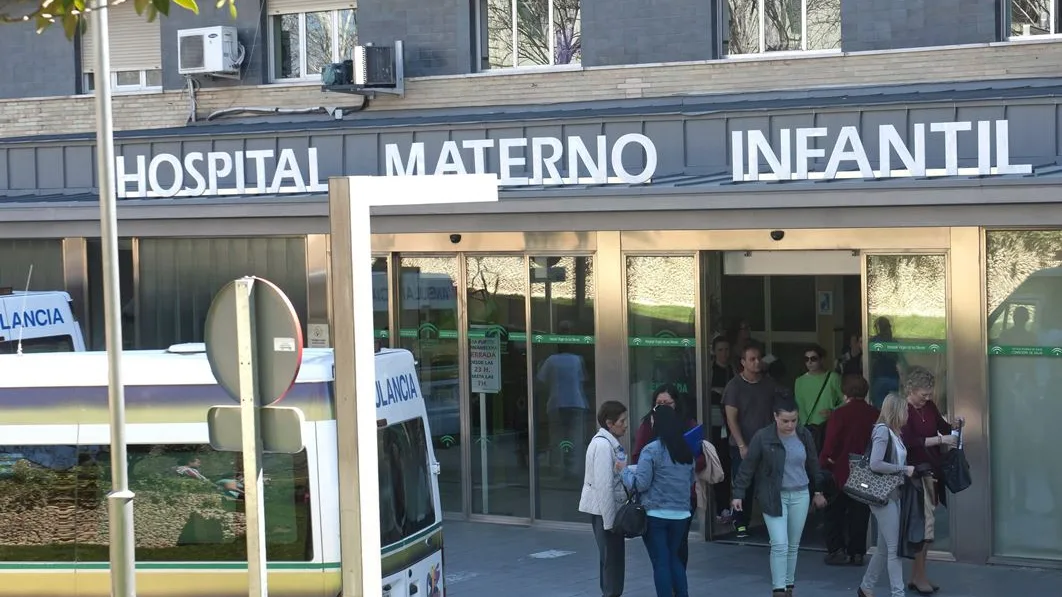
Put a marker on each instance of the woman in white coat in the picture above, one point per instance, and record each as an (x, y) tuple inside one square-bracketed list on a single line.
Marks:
[(603, 493)]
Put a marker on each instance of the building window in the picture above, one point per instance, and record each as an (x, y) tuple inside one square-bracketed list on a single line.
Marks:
[(307, 35), (522, 33), (1034, 17), (129, 81), (759, 26), (136, 52)]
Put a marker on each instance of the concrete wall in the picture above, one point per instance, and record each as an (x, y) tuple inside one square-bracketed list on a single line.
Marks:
[(643, 31), (876, 25), (250, 25), (34, 65), (437, 35)]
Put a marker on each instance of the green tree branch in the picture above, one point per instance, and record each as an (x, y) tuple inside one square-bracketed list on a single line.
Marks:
[(71, 13)]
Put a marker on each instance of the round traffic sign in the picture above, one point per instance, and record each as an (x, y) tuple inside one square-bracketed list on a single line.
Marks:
[(276, 337)]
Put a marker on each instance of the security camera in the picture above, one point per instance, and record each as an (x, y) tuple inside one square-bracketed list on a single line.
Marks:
[(455, 238), (777, 234)]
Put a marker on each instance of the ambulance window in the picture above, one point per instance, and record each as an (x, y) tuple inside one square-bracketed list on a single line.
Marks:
[(407, 504), (31, 345)]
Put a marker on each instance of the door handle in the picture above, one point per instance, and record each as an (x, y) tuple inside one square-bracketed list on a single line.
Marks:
[(413, 589)]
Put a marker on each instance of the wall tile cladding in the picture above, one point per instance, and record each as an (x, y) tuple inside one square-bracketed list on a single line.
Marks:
[(437, 35), (33, 65), (170, 109), (644, 31), (877, 25), (251, 30)]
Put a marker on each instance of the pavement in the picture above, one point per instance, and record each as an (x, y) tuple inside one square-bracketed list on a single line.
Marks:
[(491, 559)]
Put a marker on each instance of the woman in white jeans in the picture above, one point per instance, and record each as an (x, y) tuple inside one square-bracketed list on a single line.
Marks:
[(888, 455), (783, 460)]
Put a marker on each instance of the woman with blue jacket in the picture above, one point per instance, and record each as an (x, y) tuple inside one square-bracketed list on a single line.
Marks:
[(662, 478)]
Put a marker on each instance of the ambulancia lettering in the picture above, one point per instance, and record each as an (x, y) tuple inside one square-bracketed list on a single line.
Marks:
[(401, 388), (32, 318)]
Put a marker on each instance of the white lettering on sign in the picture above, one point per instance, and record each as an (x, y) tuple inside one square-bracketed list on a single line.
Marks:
[(485, 364), (200, 174), (392, 390), (795, 150), (31, 318), (541, 155)]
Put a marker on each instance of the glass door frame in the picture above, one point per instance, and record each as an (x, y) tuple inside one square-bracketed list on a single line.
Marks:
[(949, 395)]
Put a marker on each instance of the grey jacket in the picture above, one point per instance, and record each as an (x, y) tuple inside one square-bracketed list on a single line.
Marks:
[(661, 483), (766, 463), (883, 460)]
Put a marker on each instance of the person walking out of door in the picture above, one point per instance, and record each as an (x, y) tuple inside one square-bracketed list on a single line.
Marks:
[(747, 401), (781, 458), (818, 393), (848, 433)]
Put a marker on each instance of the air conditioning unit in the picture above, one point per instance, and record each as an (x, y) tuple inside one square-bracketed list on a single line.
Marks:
[(208, 51), (375, 67)]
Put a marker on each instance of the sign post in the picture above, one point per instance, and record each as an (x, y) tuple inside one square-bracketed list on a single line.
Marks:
[(484, 365), (349, 201), (254, 345)]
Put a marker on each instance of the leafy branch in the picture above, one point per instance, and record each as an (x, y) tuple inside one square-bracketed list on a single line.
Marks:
[(71, 13)]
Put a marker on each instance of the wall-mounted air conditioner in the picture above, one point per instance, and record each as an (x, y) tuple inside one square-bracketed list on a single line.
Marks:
[(208, 51), (374, 66), (371, 70)]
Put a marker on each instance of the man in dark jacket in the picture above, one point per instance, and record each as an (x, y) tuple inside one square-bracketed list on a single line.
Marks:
[(848, 433)]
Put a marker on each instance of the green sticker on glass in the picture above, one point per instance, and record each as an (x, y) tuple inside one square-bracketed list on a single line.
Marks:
[(1025, 351), (660, 341), (918, 347), (561, 339), (381, 333)]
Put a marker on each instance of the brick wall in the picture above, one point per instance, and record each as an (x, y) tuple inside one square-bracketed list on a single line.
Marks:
[(170, 109), (876, 25)]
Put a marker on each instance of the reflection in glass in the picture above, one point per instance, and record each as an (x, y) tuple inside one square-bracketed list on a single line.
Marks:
[(38, 503), (661, 300), (907, 315), (1032, 17), (562, 322), (497, 342), (286, 47), (347, 28), (380, 313), (319, 28), (427, 304), (757, 26), (543, 32), (1024, 275), (407, 505)]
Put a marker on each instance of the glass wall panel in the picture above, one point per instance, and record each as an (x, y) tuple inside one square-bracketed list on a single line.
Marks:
[(1024, 373), (380, 287), (427, 304), (907, 317), (497, 345), (661, 316), (562, 353)]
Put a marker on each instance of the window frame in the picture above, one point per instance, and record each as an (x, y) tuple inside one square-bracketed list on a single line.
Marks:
[(762, 38), (1055, 12), (304, 77), (89, 79), (482, 42)]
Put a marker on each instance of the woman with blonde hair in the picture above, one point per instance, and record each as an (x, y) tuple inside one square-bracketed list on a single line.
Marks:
[(888, 456)]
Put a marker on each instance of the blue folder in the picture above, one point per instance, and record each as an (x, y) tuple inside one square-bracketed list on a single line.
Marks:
[(693, 438)]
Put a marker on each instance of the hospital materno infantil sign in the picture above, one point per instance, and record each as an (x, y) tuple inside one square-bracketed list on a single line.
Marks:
[(754, 156)]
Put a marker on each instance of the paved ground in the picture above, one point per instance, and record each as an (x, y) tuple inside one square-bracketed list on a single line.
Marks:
[(483, 559)]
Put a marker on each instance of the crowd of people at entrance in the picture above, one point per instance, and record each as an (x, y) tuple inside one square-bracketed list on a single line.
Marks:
[(785, 450)]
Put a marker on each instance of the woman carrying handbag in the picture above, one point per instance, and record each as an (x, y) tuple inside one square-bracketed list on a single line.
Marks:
[(888, 456), (603, 493)]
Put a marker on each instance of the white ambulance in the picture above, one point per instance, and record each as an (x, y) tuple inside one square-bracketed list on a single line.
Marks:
[(42, 320)]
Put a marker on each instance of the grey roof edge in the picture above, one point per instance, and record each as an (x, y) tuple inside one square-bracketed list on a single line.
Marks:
[(688, 104)]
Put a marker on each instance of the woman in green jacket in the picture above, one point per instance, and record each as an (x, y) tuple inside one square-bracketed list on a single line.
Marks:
[(782, 459)]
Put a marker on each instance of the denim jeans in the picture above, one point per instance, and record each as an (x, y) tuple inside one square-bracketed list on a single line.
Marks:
[(662, 540), (885, 558), (785, 531)]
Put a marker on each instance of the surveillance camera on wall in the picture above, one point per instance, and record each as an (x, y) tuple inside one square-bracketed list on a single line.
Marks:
[(455, 238), (777, 234)]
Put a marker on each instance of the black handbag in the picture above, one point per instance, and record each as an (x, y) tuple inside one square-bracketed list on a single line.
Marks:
[(631, 517), (867, 487), (956, 469)]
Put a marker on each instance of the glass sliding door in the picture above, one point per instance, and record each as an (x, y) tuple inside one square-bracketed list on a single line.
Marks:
[(907, 327), (428, 316), (496, 294), (1024, 373), (562, 358), (380, 307)]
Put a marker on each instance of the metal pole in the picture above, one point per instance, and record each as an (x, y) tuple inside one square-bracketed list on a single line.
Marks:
[(254, 507), (120, 499)]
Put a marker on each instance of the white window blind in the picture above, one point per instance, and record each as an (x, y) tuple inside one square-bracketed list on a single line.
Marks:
[(284, 7), (136, 44)]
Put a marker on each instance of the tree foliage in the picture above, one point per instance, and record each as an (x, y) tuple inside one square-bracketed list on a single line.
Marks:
[(72, 14)]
